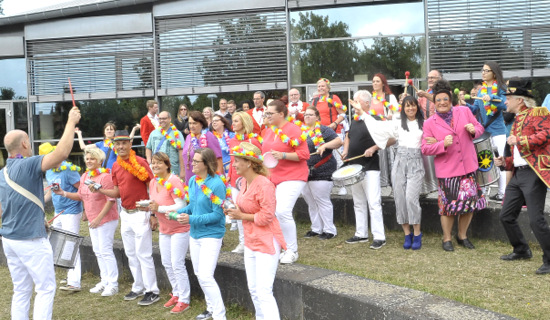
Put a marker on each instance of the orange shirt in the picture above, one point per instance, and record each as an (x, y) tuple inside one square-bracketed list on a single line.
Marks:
[(325, 112)]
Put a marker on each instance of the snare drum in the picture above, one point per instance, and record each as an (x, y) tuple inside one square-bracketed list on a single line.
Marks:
[(65, 246), (348, 175), (487, 172)]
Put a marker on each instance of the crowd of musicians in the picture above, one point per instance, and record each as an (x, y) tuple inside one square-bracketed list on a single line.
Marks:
[(248, 166)]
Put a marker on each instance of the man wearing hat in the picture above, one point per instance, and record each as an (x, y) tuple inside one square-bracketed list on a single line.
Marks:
[(24, 239), (67, 178), (530, 163), (131, 175)]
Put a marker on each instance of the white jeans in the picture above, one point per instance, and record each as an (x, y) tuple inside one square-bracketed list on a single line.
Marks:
[(173, 249), (260, 274), (286, 194), (31, 263), (102, 243), (138, 246), (204, 256), (71, 223), (367, 193), (234, 195), (321, 212), (500, 142)]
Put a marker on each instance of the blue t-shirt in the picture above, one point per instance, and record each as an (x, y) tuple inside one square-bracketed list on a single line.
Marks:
[(497, 127), (108, 162), (66, 180), (207, 219), (22, 219)]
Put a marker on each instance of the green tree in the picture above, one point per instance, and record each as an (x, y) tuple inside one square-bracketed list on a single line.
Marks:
[(1, 10), (144, 69), (6, 93)]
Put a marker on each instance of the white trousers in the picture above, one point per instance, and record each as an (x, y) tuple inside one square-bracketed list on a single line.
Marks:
[(102, 243), (321, 212), (366, 194), (260, 274), (31, 263), (204, 255), (234, 195), (173, 249), (286, 194), (500, 142), (71, 223), (138, 246)]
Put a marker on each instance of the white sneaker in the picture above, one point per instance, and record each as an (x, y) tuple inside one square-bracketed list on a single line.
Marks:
[(98, 288), (109, 291), (239, 249), (342, 191), (289, 257)]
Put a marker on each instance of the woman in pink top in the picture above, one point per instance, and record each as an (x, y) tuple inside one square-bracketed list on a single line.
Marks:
[(285, 142), (167, 194), (243, 127), (102, 218), (263, 236)]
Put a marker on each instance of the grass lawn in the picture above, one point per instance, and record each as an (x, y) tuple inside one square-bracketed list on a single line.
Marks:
[(476, 277)]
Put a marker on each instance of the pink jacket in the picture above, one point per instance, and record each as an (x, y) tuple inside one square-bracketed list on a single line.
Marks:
[(460, 158)]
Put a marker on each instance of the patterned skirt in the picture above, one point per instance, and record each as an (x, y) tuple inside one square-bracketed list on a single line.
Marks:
[(460, 195)]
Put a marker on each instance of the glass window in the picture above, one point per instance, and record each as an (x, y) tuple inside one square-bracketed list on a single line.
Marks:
[(14, 77), (358, 21)]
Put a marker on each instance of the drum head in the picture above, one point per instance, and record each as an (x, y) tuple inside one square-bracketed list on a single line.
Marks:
[(270, 161), (347, 171), (486, 135)]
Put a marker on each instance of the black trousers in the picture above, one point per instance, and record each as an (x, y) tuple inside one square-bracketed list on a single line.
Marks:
[(526, 186)]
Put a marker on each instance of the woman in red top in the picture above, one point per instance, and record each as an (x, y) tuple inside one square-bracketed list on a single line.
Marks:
[(167, 194), (285, 142), (243, 127), (263, 236), (330, 106)]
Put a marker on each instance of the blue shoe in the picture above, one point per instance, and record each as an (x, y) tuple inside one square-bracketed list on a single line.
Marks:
[(417, 242), (408, 241)]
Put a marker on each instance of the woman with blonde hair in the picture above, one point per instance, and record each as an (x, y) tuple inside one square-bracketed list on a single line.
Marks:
[(243, 127), (208, 114)]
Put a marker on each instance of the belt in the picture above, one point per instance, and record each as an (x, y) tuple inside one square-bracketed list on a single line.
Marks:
[(130, 211), (522, 167)]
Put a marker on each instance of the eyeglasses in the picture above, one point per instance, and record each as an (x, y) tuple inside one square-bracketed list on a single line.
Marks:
[(163, 118), (442, 100), (216, 120), (183, 109), (257, 99), (486, 70), (197, 161), (268, 114), (309, 115)]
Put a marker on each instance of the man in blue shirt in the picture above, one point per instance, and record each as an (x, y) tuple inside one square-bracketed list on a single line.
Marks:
[(24, 240)]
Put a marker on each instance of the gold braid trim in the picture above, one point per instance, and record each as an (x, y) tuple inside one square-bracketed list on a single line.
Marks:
[(540, 112)]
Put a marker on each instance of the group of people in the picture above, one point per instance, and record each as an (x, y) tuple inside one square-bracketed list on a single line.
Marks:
[(205, 168)]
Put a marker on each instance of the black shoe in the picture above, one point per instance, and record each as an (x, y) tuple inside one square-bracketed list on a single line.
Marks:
[(465, 243), (356, 239), (311, 234), (448, 246), (133, 295), (518, 256), (149, 299), (544, 269), (497, 197), (326, 236), (205, 315), (377, 244)]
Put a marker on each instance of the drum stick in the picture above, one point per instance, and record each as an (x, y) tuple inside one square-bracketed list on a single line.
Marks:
[(56, 216), (407, 74), (71, 89), (412, 85), (495, 100), (354, 158), (314, 153)]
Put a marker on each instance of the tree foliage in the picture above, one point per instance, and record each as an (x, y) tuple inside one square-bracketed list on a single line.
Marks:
[(7, 93)]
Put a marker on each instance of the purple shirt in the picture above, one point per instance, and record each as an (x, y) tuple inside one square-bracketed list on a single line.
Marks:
[(188, 152)]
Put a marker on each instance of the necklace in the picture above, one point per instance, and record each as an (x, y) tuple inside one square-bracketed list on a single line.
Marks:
[(489, 107), (207, 192), (314, 134), (227, 185), (337, 105), (174, 141), (242, 137), (133, 167), (195, 141), (386, 104), (109, 143), (66, 165), (285, 139), (97, 172), (170, 188), (291, 119), (221, 138)]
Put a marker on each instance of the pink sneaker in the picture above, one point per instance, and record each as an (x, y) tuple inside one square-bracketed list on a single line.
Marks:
[(172, 302), (180, 307)]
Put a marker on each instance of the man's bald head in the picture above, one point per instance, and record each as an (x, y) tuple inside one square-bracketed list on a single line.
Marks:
[(13, 141)]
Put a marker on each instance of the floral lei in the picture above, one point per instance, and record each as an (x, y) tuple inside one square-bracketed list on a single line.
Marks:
[(227, 186), (66, 165), (314, 133), (225, 136), (207, 192), (285, 139), (97, 172), (489, 107), (203, 143), (170, 188), (372, 112), (133, 167), (242, 137), (174, 141), (110, 144), (337, 105), (291, 119), (386, 104)]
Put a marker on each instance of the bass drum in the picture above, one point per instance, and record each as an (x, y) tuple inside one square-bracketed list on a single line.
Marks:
[(487, 173)]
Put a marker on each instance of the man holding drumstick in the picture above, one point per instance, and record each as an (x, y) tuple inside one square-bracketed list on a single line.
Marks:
[(24, 238)]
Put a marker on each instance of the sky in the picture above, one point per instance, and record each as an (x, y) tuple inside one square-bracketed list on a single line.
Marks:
[(13, 7)]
